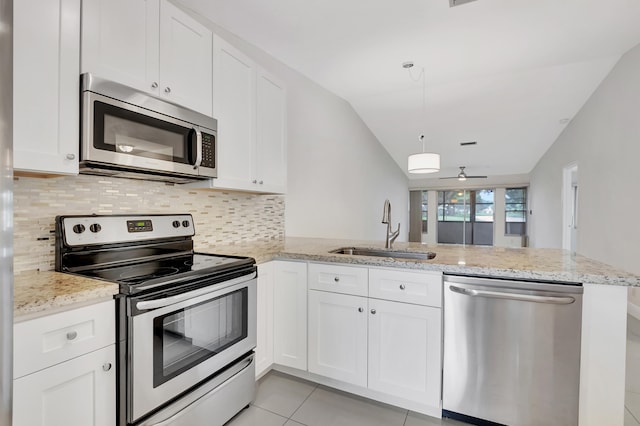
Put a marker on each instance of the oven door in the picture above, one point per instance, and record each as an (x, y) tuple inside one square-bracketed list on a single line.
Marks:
[(180, 340), (121, 134)]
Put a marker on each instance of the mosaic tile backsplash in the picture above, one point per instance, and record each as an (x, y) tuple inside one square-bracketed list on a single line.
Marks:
[(221, 218)]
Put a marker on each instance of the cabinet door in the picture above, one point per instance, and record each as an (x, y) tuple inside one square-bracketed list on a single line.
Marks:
[(234, 107), (338, 336), (78, 392), (264, 347), (46, 81), (120, 41), (271, 158), (404, 350), (290, 314), (185, 59)]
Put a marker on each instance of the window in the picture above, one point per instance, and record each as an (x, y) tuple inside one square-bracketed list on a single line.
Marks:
[(424, 210), (484, 205), (516, 211), (453, 206)]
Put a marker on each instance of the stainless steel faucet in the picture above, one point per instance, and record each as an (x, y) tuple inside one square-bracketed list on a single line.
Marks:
[(386, 218)]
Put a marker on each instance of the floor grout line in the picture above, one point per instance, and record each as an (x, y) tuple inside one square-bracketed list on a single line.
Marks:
[(300, 406), (632, 415)]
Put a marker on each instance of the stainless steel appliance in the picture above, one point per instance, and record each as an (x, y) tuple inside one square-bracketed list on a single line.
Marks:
[(6, 207), (511, 351), (127, 133), (186, 320)]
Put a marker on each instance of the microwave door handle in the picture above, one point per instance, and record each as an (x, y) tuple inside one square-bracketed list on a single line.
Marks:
[(198, 148)]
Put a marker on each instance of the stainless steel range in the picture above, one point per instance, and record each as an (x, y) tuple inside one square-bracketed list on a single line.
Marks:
[(186, 320)]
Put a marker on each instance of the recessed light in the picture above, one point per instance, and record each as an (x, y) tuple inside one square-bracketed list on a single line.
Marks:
[(407, 64)]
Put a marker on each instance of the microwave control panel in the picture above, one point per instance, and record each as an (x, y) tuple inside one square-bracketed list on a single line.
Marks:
[(208, 150)]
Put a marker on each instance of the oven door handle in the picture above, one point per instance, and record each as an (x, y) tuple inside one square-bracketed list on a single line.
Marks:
[(146, 305)]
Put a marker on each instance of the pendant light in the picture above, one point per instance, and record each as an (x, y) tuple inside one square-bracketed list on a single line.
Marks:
[(422, 162)]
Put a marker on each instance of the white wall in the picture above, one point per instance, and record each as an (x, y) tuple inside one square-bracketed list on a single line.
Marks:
[(604, 140), (338, 172)]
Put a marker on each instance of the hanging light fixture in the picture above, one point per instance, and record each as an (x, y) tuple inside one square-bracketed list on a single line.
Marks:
[(422, 162)]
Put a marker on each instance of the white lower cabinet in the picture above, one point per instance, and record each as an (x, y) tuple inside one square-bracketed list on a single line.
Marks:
[(78, 392), (290, 314), (404, 350), (338, 336), (389, 349), (264, 347), (65, 368)]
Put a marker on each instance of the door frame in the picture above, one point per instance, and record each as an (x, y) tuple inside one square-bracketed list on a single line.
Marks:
[(568, 207)]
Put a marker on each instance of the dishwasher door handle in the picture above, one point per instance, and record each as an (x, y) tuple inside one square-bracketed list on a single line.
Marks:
[(555, 300)]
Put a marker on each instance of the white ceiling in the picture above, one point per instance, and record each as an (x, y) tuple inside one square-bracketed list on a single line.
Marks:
[(499, 72)]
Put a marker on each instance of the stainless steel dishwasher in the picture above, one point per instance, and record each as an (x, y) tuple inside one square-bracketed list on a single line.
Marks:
[(511, 351)]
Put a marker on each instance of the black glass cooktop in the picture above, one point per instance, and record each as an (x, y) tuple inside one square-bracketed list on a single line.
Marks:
[(196, 264)]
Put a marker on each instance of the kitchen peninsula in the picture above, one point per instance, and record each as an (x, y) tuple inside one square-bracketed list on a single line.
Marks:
[(603, 339)]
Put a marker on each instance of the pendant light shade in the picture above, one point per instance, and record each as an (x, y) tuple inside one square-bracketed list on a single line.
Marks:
[(424, 162)]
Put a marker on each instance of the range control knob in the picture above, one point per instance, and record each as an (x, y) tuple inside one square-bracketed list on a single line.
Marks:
[(78, 229), (95, 227), (185, 223), (176, 224)]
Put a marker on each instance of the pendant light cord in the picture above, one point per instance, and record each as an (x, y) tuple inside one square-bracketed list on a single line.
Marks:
[(422, 76)]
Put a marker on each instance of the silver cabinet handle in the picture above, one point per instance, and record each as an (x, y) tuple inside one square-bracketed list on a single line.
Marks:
[(254, 181), (373, 311), (554, 300), (198, 148), (71, 156), (337, 279), (402, 287), (72, 335), (167, 89), (360, 310), (154, 85), (106, 366), (261, 182)]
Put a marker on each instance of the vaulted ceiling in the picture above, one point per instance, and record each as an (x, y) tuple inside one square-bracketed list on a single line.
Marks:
[(505, 73)]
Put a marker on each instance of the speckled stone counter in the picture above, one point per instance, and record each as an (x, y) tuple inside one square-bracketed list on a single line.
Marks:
[(524, 263), (40, 292)]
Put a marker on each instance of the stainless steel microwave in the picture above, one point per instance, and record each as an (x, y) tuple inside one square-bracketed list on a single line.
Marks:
[(128, 133)]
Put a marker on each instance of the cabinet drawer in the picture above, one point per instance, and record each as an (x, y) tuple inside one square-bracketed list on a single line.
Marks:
[(49, 340), (421, 288), (338, 278)]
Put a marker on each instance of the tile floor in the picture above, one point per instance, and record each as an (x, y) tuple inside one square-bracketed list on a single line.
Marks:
[(285, 400)]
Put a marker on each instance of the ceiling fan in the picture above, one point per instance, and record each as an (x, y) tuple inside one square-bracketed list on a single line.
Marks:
[(462, 176)]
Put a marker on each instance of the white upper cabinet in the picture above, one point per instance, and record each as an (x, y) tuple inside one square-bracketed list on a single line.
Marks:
[(185, 59), (46, 81), (235, 110), (250, 105), (150, 45), (120, 41), (271, 160)]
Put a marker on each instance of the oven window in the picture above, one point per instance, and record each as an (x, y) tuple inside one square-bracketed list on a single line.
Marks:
[(130, 133), (185, 338)]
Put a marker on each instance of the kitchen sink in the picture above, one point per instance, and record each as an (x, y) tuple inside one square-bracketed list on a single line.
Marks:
[(396, 254)]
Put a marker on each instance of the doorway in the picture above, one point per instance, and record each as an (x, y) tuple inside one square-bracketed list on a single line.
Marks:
[(570, 207), (466, 217)]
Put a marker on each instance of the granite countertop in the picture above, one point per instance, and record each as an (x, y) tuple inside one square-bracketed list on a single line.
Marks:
[(40, 292), (525, 263)]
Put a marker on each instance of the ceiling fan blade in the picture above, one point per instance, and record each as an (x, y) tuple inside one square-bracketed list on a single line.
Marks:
[(468, 177)]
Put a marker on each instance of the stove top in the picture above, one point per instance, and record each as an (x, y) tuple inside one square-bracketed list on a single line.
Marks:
[(166, 272), (141, 253)]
